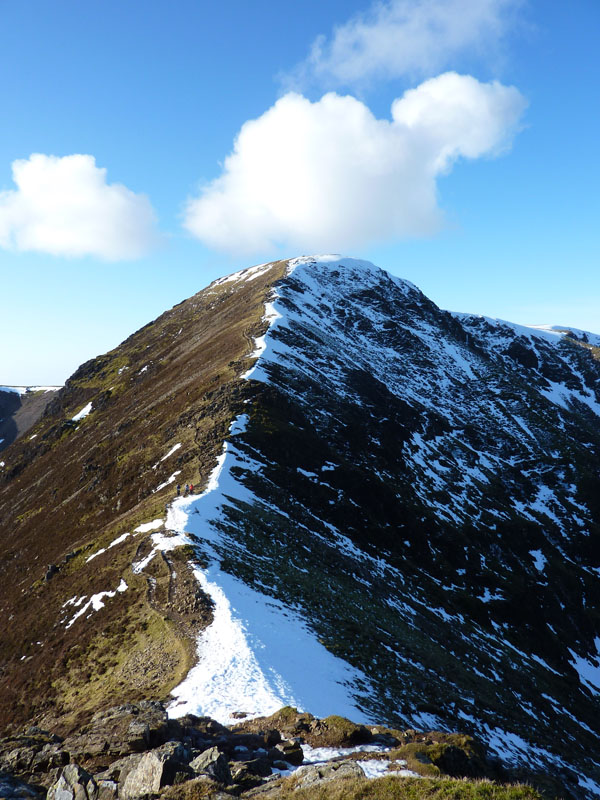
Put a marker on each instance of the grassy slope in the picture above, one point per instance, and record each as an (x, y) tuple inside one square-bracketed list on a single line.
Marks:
[(78, 486)]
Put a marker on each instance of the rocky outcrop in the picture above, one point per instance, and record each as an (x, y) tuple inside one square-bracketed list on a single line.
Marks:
[(135, 751), (129, 728)]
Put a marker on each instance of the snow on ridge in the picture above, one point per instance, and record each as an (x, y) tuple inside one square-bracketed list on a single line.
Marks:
[(266, 349), (20, 390), (271, 316), (591, 338), (549, 333), (258, 654), (357, 264), (244, 275)]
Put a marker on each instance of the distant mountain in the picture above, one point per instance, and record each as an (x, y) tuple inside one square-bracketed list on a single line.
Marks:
[(396, 518), (20, 408)]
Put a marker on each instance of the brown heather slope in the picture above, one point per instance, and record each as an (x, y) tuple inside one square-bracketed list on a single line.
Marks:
[(76, 487)]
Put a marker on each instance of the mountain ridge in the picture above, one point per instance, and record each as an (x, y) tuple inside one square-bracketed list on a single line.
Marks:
[(367, 459)]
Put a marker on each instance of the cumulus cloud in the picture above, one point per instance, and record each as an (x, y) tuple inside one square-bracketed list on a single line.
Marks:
[(65, 207), (404, 37), (329, 175)]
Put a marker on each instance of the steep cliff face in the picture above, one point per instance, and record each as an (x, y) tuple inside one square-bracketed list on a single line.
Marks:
[(399, 518)]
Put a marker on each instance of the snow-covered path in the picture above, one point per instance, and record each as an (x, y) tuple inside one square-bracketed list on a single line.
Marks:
[(258, 655)]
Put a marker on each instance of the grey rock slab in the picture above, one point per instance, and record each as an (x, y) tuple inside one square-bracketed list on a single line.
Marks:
[(160, 767), (311, 774), (120, 769), (74, 783)]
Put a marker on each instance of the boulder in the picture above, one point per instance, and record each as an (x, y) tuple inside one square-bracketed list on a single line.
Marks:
[(120, 769), (291, 752), (336, 731), (259, 766), (242, 778), (212, 763), (160, 767), (311, 774), (74, 784), (272, 737)]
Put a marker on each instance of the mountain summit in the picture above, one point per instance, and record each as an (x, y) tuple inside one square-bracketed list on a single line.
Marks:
[(395, 517)]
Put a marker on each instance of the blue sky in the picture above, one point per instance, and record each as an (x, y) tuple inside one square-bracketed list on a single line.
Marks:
[(494, 213)]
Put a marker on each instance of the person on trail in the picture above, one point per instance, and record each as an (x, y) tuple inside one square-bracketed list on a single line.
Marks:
[(191, 488), (187, 488), (178, 490)]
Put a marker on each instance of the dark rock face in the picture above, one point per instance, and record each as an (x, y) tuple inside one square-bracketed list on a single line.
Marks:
[(522, 354), (424, 486), (20, 412)]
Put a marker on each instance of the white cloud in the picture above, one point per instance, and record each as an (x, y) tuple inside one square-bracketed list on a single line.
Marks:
[(330, 176), (65, 207), (405, 37)]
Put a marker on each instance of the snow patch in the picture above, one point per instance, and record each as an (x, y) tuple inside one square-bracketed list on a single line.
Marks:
[(588, 669), (174, 449), (83, 413), (149, 526), (118, 540), (96, 602), (169, 480), (539, 559)]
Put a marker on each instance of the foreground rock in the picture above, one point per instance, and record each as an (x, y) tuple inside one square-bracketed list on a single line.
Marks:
[(134, 751)]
